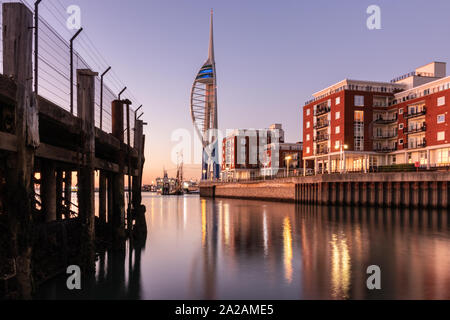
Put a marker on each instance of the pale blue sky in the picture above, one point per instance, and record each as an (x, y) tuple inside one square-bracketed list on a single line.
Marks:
[(271, 55)]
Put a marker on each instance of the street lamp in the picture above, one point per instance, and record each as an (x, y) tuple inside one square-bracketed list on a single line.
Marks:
[(288, 159), (342, 156)]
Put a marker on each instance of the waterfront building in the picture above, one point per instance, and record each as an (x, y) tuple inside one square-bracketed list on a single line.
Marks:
[(359, 125), (251, 153)]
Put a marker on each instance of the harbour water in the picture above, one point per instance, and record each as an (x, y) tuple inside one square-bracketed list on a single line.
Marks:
[(239, 249)]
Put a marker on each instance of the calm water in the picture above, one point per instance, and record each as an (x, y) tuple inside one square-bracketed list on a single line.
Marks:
[(237, 249)]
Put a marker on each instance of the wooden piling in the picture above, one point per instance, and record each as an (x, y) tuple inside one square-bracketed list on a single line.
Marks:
[(102, 197), (68, 192), (118, 222), (48, 190), (17, 63), (86, 187)]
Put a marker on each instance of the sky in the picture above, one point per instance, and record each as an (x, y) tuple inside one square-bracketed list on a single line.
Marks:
[(271, 56)]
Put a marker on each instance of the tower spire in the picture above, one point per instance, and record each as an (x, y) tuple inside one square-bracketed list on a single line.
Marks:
[(211, 39)]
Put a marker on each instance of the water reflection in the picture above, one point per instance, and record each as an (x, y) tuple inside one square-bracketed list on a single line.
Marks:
[(237, 249)]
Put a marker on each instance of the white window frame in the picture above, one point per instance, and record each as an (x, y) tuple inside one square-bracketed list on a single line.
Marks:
[(308, 150), (441, 136), (308, 111), (400, 111), (308, 125), (338, 101), (308, 137), (401, 126), (337, 130), (359, 101), (441, 101), (440, 115), (338, 115)]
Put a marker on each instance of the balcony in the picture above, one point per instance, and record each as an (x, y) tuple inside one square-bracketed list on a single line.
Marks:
[(385, 137), (419, 145), (386, 121), (322, 151), (413, 130), (321, 125), (417, 114), (322, 110), (322, 138), (385, 149)]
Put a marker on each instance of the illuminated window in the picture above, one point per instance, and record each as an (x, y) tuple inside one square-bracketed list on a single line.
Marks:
[(441, 136), (338, 115), (308, 150), (337, 145), (338, 129), (443, 156), (308, 137), (359, 116), (308, 125)]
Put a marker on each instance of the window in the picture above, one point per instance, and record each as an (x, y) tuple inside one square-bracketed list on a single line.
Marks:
[(441, 101), (359, 101), (400, 111), (441, 118), (338, 100), (308, 125), (400, 142), (308, 137), (359, 116), (308, 150), (337, 145), (443, 156), (338, 115), (308, 112), (441, 136), (401, 126), (338, 129)]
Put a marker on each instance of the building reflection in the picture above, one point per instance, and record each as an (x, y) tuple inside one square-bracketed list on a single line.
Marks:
[(324, 252)]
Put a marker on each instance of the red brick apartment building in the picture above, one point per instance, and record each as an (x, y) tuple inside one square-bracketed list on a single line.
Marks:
[(355, 125)]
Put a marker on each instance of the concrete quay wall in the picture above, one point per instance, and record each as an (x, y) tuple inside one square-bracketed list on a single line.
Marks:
[(406, 189)]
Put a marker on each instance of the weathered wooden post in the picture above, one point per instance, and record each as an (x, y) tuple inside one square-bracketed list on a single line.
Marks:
[(68, 192), (48, 190), (59, 196), (86, 188), (118, 207), (102, 197), (17, 63), (140, 230)]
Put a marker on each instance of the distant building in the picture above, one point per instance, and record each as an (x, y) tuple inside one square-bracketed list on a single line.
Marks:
[(250, 153), (356, 125)]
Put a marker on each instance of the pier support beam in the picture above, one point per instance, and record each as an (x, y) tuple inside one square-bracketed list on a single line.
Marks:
[(67, 193), (86, 188), (118, 221), (17, 63), (48, 190), (102, 197)]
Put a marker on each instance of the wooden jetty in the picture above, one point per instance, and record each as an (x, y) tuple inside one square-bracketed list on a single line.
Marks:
[(42, 145)]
